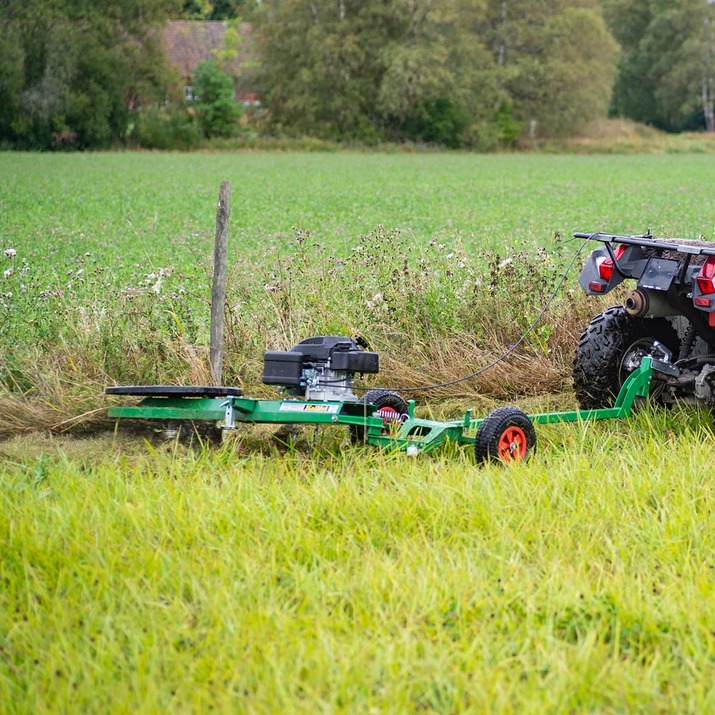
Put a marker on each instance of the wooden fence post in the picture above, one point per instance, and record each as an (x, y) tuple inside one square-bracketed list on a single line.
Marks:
[(218, 290)]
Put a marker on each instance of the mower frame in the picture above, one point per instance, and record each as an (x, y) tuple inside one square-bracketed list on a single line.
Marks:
[(388, 431)]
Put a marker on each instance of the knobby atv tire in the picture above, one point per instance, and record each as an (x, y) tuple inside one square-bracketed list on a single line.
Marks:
[(380, 399), (506, 435), (597, 373)]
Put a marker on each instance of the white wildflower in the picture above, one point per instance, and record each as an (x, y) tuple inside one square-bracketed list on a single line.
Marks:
[(9, 253), (8, 273), (506, 262), (374, 301)]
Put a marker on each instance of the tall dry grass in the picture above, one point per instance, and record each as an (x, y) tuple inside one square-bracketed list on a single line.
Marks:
[(434, 315)]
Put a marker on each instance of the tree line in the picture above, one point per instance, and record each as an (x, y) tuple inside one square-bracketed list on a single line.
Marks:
[(459, 73)]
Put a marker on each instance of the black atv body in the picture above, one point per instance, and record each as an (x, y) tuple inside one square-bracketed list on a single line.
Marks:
[(669, 315)]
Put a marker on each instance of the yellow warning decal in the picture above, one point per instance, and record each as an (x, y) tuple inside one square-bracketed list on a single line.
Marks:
[(309, 407)]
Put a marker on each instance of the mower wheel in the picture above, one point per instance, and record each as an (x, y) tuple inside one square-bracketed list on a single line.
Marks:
[(506, 435), (610, 349), (388, 402)]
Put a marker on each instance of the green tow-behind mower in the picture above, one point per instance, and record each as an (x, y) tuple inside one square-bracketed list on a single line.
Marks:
[(659, 344), (318, 375)]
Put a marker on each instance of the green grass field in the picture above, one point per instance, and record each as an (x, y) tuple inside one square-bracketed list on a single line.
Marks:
[(139, 577), (145, 207)]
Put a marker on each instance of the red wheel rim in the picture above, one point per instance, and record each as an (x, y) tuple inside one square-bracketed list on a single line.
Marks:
[(512, 444)]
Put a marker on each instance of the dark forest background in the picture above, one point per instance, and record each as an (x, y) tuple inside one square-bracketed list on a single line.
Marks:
[(481, 74)]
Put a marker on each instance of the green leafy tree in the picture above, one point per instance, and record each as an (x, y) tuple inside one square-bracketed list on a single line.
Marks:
[(457, 72), (208, 10), (556, 60), (634, 89), (215, 103), (226, 9), (680, 42), (322, 63), (667, 69), (196, 9), (77, 70), (11, 58), (439, 83), (376, 69)]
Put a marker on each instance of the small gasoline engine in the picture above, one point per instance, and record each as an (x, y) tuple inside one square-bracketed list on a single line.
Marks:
[(320, 368)]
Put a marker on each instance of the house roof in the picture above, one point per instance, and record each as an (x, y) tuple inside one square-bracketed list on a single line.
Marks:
[(188, 43)]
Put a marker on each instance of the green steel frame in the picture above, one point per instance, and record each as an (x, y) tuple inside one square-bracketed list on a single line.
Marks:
[(409, 433)]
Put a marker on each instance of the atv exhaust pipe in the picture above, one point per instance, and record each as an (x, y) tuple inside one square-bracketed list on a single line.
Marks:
[(648, 304), (637, 303)]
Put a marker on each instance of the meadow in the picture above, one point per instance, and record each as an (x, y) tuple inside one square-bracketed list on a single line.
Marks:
[(312, 577)]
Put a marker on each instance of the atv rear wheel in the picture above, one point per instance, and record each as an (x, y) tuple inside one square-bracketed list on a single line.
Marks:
[(386, 401), (610, 349)]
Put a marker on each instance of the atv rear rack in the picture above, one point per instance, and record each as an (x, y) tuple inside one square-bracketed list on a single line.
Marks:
[(693, 248)]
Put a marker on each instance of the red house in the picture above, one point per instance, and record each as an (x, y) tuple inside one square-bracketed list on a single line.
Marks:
[(187, 43)]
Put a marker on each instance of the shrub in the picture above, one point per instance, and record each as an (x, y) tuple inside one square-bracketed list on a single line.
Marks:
[(161, 129), (215, 101)]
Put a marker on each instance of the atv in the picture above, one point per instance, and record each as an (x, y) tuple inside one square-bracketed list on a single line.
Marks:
[(669, 316)]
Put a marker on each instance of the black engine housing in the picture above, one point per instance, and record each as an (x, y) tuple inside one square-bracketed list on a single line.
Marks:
[(322, 367)]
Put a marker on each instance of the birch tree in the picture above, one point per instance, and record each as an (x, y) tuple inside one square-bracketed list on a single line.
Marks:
[(557, 61), (667, 71)]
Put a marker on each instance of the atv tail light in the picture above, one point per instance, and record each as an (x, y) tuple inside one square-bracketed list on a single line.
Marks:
[(702, 302), (605, 263), (706, 277), (597, 287)]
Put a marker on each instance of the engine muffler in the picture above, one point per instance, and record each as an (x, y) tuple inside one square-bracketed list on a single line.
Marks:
[(648, 304)]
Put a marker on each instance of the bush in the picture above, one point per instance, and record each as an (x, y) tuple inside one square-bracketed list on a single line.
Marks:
[(161, 129), (436, 121), (215, 101)]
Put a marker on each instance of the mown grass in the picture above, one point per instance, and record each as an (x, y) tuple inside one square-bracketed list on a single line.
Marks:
[(137, 580)]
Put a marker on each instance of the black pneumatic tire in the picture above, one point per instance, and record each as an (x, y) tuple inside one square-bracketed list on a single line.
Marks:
[(599, 368), (381, 399), (506, 435)]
